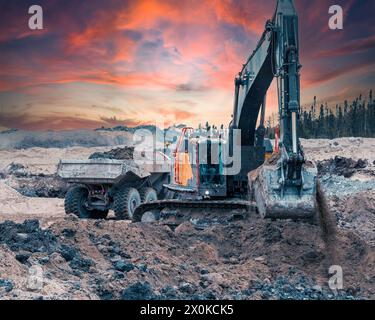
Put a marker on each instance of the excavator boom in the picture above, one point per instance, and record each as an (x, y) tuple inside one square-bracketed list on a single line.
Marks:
[(285, 188)]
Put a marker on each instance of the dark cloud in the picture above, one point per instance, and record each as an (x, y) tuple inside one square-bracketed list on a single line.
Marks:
[(349, 48), (189, 87)]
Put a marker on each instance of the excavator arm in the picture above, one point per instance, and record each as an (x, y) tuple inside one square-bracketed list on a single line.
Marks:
[(285, 189), (276, 55)]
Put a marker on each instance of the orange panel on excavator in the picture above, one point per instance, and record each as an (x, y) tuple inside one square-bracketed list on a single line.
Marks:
[(183, 172)]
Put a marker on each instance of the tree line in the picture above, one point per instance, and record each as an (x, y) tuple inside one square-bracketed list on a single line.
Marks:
[(355, 119)]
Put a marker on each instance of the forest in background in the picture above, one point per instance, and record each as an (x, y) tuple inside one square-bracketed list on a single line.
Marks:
[(355, 119)]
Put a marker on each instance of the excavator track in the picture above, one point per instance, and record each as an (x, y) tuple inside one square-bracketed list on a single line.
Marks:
[(190, 204)]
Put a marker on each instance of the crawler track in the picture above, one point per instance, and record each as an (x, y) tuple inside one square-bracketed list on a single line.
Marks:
[(187, 204)]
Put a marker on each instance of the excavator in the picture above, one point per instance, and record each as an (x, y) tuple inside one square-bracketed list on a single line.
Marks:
[(230, 169)]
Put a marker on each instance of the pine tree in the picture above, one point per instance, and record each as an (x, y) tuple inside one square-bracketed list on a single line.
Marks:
[(355, 119)]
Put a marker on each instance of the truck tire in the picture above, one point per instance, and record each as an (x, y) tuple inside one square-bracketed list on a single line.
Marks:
[(75, 200), (75, 204), (125, 200), (148, 194)]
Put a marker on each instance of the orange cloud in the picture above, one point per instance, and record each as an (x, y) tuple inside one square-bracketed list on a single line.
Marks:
[(175, 114), (29, 122), (165, 50)]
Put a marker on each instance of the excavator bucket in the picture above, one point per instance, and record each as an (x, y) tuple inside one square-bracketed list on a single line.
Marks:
[(278, 201)]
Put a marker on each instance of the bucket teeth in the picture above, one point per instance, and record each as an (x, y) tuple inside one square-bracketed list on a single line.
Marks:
[(278, 202)]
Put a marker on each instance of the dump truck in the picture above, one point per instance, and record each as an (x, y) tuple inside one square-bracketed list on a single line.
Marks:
[(99, 185)]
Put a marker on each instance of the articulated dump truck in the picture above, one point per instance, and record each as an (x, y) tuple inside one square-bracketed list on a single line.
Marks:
[(99, 185)]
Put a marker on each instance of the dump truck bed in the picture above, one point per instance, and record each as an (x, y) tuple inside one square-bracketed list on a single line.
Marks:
[(105, 171)]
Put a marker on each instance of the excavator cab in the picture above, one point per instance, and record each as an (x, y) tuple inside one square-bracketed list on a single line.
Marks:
[(212, 181), (198, 168)]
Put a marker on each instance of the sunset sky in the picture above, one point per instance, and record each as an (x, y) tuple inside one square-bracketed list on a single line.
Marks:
[(105, 63)]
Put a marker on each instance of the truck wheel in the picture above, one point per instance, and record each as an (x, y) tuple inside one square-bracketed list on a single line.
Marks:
[(125, 201), (148, 195), (75, 202)]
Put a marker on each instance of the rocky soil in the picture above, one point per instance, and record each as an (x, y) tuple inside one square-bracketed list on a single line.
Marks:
[(250, 259), (45, 254), (32, 184)]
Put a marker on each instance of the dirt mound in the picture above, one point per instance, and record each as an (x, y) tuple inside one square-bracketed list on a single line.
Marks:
[(30, 249), (125, 153), (248, 259), (341, 166), (357, 213), (44, 187), (16, 169), (13, 204), (283, 288), (27, 237), (31, 184)]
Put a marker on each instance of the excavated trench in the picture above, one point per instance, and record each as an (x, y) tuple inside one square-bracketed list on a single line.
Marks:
[(327, 224)]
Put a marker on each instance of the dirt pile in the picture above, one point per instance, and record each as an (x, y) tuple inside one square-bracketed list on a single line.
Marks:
[(16, 206), (29, 249), (16, 169), (125, 153), (26, 238), (341, 166), (283, 288), (349, 186), (45, 187), (31, 184), (248, 259), (352, 148), (356, 212)]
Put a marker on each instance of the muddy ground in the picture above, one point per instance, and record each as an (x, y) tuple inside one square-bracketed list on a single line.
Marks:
[(47, 255)]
